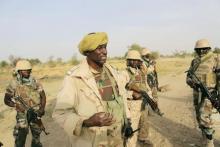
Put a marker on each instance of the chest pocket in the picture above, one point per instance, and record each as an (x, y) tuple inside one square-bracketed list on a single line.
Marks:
[(205, 72), (29, 94), (107, 86)]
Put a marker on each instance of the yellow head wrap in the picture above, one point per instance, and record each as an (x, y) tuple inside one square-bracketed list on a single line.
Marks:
[(91, 41)]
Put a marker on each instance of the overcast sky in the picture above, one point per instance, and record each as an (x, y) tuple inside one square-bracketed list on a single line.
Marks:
[(43, 28)]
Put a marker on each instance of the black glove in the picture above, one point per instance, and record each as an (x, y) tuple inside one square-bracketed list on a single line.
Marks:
[(40, 112), (128, 132), (191, 83)]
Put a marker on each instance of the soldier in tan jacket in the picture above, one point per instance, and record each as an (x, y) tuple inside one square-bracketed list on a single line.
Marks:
[(91, 105)]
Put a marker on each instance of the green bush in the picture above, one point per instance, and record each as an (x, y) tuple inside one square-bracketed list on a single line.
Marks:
[(3, 64)]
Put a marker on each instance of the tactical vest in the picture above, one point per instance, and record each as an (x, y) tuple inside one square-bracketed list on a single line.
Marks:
[(109, 92), (150, 66), (138, 78), (28, 92), (205, 70)]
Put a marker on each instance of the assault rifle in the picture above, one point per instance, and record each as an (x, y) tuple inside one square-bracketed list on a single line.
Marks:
[(32, 115), (213, 97), (147, 98)]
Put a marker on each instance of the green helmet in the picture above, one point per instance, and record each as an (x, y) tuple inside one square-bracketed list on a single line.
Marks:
[(23, 65), (133, 54)]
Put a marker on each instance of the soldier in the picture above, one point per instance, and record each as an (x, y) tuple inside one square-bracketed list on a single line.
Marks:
[(91, 104), (152, 78), (31, 92), (138, 108), (204, 65)]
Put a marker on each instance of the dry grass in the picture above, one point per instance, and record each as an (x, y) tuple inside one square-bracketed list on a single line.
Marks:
[(173, 65)]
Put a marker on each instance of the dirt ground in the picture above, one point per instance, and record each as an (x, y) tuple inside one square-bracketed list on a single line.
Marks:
[(177, 128)]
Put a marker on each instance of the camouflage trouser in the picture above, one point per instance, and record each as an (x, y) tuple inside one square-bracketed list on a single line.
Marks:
[(204, 112), (197, 105), (144, 125), (21, 130), (139, 119), (154, 93), (206, 121)]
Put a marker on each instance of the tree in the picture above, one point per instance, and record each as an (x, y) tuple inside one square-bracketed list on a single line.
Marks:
[(13, 60), (51, 62), (135, 47), (74, 60), (216, 50), (34, 61), (3, 64), (155, 55)]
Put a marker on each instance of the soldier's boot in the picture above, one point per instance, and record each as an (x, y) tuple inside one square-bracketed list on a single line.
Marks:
[(160, 113), (36, 141)]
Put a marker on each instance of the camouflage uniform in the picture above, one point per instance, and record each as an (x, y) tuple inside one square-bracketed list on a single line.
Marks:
[(29, 90), (205, 112), (138, 108), (152, 77), (85, 92)]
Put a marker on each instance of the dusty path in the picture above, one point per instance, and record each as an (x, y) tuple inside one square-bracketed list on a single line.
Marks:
[(177, 128)]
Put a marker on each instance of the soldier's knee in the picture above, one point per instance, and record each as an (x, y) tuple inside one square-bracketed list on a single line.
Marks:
[(20, 132)]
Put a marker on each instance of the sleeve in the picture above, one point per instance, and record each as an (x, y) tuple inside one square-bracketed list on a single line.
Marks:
[(39, 86), (10, 88), (65, 113), (217, 66), (123, 79)]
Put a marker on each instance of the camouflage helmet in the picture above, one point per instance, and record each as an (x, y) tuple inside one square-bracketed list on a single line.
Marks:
[(23, 65), (145, 51), (133, 54), (202, 43)]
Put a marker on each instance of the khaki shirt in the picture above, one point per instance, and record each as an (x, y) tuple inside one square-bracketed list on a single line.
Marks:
[(78, 100)]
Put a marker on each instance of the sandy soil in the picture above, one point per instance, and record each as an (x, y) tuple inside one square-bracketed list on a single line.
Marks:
[(177, 128)]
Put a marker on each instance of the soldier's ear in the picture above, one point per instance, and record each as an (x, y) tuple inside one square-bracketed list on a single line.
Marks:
[(86, 53)]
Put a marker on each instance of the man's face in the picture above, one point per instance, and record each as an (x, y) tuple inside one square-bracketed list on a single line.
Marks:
[(202, 51), (134, 63), (25, 73), (146, 56), (99, 55)]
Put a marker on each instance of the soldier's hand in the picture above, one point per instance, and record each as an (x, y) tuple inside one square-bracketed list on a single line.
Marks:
[(40, 112), (19, 108), (99, 119), (136, 96), (191, 83)]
